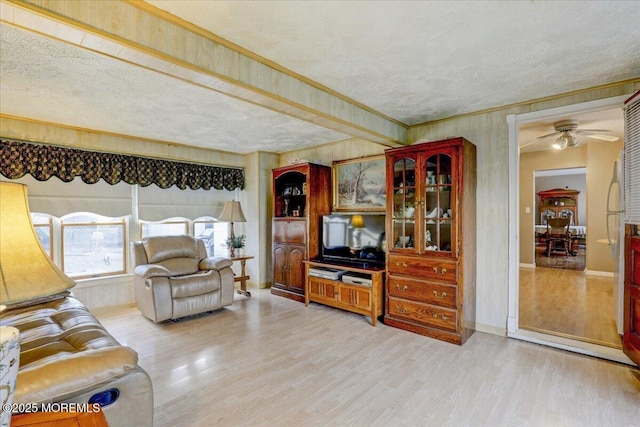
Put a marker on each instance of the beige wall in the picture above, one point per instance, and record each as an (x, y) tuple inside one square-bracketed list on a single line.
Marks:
[(256, 202), (597, 158), (537, 161)]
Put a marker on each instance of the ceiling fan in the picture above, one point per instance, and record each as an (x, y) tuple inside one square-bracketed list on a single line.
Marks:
[(568, 130)]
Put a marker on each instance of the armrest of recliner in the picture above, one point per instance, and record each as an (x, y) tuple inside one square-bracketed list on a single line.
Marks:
[(215, 263), (74, 373), (151, 270)]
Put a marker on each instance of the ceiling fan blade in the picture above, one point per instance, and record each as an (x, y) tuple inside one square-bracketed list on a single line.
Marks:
[(535, 141), (609, 138), (586, 131), (548, 135)]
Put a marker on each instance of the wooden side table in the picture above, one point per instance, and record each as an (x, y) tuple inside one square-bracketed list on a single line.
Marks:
[(243, 277)]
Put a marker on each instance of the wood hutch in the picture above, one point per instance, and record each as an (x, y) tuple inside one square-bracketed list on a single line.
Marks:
[(431, 239), (301, 195), (558, 203)]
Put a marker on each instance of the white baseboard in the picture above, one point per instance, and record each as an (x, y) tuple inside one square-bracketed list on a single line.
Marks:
[(490, 329), (598, 273), (588, 349), (523, 265)]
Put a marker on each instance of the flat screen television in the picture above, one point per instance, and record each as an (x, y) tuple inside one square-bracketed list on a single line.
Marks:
[(354, 239)]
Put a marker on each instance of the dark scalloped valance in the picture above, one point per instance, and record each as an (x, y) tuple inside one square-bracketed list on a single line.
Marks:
[(18, 158)]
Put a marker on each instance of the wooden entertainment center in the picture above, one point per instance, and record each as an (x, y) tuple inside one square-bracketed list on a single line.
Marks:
[(301, 195), (361, 299)]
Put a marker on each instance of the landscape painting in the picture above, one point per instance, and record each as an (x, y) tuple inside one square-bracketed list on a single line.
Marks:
[(359, 184)]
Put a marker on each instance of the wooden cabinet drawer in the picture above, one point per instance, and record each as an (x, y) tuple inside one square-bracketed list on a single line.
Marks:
[(322, 290), (426, 314), (430, 268), (337, 294), (356, 296), (432, 293), (289, 231)]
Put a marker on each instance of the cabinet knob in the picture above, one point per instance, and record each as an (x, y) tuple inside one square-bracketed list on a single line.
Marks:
[(442, 271), (401, 264), (441, 295), (442, 316), (404, 288), (401, 309)]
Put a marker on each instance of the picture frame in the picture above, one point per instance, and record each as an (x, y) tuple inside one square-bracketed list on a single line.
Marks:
[(360, 184)]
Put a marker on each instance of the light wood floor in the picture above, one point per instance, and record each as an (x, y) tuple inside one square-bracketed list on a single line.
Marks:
[(568, 303), (269, 361)]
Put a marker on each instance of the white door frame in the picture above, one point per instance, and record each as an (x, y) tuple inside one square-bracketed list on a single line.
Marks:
[(513, 331)]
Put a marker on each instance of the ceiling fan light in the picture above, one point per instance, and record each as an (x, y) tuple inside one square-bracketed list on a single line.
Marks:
[(571, 141), (562, 142)]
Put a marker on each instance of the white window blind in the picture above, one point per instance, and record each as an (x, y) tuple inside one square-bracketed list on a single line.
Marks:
[(632, 161), (59, 198), (157, 204)]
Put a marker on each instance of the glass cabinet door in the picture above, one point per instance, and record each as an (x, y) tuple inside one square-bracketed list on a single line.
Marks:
[(404, 204), (438, 207)]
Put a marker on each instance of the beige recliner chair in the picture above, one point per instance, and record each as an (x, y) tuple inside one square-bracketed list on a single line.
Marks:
[(174, 278)]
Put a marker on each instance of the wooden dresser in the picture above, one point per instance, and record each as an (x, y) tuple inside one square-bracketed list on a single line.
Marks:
[(431, 239)]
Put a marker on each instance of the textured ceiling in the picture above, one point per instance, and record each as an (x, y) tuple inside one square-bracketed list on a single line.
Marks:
[(412, 61), (423, 60)]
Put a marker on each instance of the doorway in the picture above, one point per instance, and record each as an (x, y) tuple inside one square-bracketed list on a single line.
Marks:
[(533, 288), (560, 193)]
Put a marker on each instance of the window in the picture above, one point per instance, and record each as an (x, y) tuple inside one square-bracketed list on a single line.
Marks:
[(43, 224), (93, 245), (213, 233), (167, 227)]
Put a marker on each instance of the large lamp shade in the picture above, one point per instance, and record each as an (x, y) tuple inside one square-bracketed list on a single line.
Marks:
[(26, 271), (232, 212)]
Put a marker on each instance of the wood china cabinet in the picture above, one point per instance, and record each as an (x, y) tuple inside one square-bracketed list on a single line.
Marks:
[(301, 195), (431, 239), (558, 203)]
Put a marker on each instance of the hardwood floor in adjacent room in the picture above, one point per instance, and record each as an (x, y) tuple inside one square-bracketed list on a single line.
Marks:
[(271, 361), (568, 303)]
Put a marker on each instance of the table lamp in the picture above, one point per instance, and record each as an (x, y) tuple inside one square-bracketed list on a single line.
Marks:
[(357, 222), (26, 271), (232, 212)]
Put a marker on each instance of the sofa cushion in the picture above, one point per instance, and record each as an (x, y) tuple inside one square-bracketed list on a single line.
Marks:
[(64, 349), (195, 284), (160, 248)]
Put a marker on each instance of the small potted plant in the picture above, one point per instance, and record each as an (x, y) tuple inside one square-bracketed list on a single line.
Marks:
[(238, 242)]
